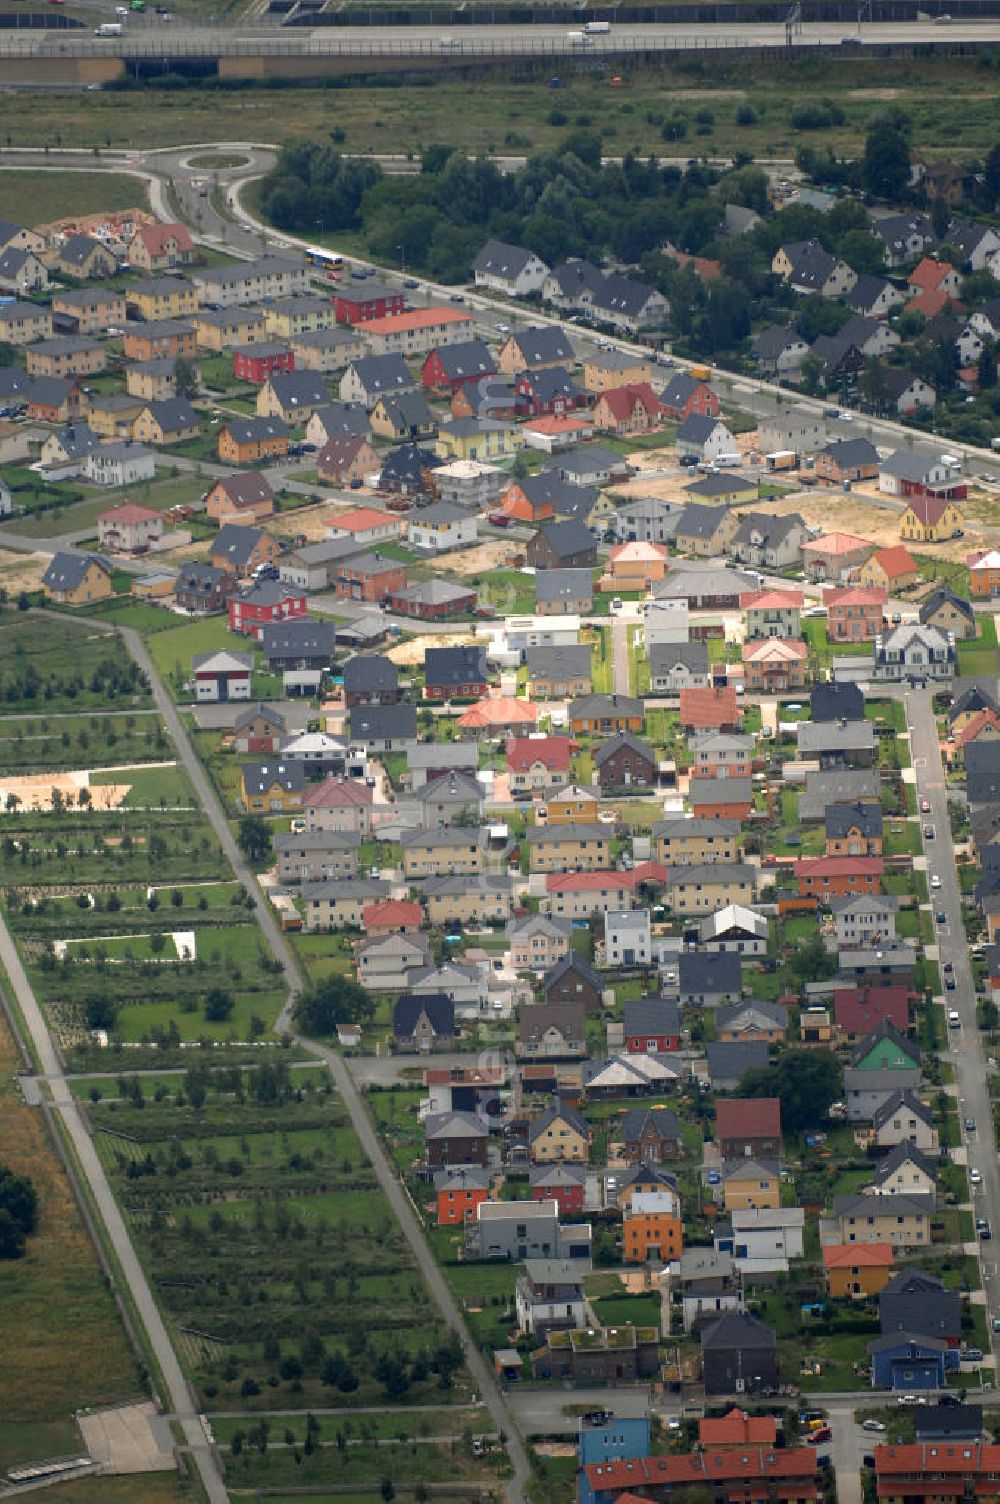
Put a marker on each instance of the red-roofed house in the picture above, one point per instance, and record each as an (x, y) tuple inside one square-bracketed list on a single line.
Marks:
[(833, 556), (417, 330), (890, 569), (748, 1127), (854, 614), (859, 1010), (857, 1271), (155, 247), (365, 525), (826, 877), (538, 764), (934, 1470), (635, 566), (930, 519), (753, 1475), (337, 803), (392, 916), (129, 529), (737, 1429), (984, 724), (628, 409), (772, 613), (932, 300), (714, 709), (498, 713), (577, 895)]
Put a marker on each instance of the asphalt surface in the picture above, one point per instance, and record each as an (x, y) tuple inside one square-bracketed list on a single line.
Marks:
[(456, 42)]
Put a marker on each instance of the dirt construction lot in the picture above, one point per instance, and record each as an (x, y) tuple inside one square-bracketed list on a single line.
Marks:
[(411, 654), (21, 571), (34, 791), (467, 561)]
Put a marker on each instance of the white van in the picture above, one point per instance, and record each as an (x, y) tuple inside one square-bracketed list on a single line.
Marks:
[(597, 28), (728, 460), (109, 29)]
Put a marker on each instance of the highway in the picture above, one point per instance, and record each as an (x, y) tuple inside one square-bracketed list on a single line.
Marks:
[(454, 43)]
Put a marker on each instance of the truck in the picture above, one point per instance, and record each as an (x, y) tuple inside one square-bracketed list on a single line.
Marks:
[(109, 29), (700, 373), (782, 459), (597, 28), (576, 38)]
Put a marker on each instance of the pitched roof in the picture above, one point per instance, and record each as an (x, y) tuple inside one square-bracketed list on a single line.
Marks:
[(896, 561), (750, 1117), (858, 1255), (540, 345), (68, 571), (554, 752)]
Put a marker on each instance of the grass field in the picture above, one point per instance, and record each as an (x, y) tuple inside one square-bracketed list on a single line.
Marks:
[(48, 666), (63, 1345), (950, 99), (156, 1488), (34, 198)]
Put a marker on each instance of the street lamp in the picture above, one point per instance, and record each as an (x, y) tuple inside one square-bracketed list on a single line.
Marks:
[(402, 259)]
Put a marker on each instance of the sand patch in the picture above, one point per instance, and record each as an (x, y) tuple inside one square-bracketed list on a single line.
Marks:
[(492, 554), (411, 654), (34, 791), (21, 571)]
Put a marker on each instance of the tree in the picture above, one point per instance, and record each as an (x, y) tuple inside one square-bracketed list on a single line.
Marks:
[(336, 1000), (812, 962), (806, 1083), (862, 251), (185, 377), (885, 163), (18, 1212), (254, 837), (991, 176), (873, 386), (940, 217), (219, 1005)]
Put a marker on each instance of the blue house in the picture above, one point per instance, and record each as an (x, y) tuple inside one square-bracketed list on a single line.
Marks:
[(903, 1361), (608, 1440)]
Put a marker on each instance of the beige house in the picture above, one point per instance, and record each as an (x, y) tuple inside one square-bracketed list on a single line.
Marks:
[(537, 942), (606, 370), (557, 1136), (328, 349), (696, 842), (314, 857), (114, 417), (222, 328), (303, 314), (468, 900), (68, 356), (704, 889), (900, 1221), (569, 848), (339, 903), (93, 309), (570, 805), (152, 380), (452, 851), (577, 895), (23, 323)]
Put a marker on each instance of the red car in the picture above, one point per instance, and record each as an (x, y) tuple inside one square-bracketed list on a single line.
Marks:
[(822, 1433)]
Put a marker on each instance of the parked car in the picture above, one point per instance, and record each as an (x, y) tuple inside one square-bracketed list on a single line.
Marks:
[(871, 1424)]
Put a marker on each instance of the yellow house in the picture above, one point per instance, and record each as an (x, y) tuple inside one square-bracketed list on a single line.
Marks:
[(272, 788), (606, 370), (162, 298), (152, 380), (930, 519), (854, 1273), (750, 1184), (572, 804), (482, 439), (113, 417), (558, 1135), (949, 613), (77, 579), (299, 315), (221, 328), (468, 901), (901, 1221), (706, 889), (690, 843), (569, 848), (452, 851), (889, 569), (338, 903), (23, 323)]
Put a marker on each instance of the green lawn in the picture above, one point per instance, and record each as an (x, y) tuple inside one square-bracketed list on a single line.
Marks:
[(32, 198), (980, 656)]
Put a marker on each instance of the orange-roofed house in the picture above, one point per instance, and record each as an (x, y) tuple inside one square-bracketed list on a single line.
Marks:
[(554, 431), (156, 247), (983, 726), (748, 1127), (936, 1470), (737, 1429), (392, 916), (713, 709), (774, 664), (635, 566), (365, 525), (930, 275), (828, 877), (857, 1271), (930, 519), (772, 613), (890, 569), (417, 331), (129, 529), (932, 300), (854, 614), (628, 409), (834, 556), (499, 713), (753, 1475)]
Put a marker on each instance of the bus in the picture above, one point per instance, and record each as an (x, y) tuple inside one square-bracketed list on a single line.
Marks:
[(330, 261)]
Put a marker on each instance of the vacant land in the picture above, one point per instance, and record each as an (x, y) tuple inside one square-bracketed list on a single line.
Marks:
[(81, 741), (285, 1278), (156, 1488), (950, 99), (64, 1347), (48, 665), (35, 198)]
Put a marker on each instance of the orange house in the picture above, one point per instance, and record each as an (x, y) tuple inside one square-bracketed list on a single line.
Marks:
[(635, 566), (245, 441), (652, 1229), (857, 1271), (854, 615), (459, 1191), (392, 917), (531, 505), (826, 877), (984, 575)]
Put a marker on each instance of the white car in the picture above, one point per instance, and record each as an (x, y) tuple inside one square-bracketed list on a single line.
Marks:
[(975, 1177), (872, 1425), (935, 881)]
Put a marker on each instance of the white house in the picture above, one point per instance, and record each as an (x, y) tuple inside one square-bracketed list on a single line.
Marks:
[(909, 467), (129, 529), (914, 651), (222, 676), (764, 1241), (735, 928), (6, 500), (120, 465), (628, 939), (550, 1294), (442, 526), (704, 437), (863, 918), (509, 269), (665, 622)]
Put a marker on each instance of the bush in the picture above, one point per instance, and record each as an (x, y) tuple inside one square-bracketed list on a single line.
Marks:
[(746, 115), (675, 129), (558, 117), (818, 115)]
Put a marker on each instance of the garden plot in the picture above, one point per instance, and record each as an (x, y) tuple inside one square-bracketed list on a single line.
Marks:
[(47, 791), (127, 948)]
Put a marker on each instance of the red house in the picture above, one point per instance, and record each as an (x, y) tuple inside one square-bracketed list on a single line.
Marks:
[(459, 1191), (854, 615), (684, 395), (262, 605), (258, 363), (859, 1010), (367, 300), (370, 577), (652, 1025), (551, 392), (450, 367), (826, 877), (563, 1184)]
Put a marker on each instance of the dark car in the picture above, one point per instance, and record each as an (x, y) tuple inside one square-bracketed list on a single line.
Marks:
[(942, 917)]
